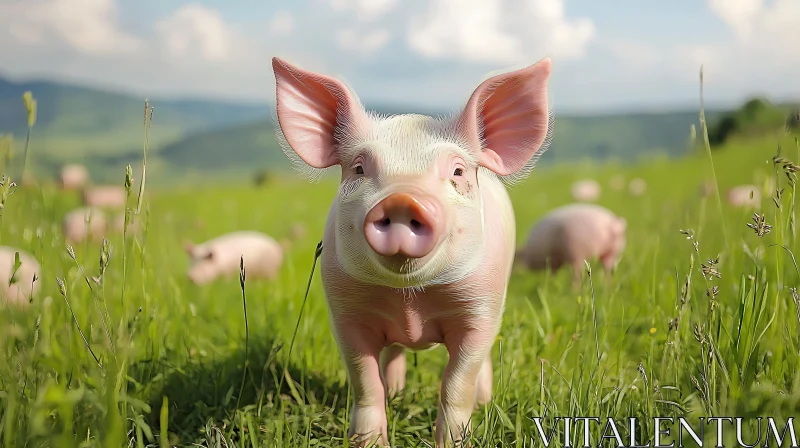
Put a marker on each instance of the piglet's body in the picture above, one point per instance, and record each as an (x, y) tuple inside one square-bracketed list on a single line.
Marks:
[(73, 176), (419, 240), (586, 190), (106, 196), (221, 256), (571, 234), (740, 196), (24, 286), (84, 223)]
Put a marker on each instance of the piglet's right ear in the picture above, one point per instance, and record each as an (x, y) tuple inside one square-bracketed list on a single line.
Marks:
[(311, 107), (188, 246)]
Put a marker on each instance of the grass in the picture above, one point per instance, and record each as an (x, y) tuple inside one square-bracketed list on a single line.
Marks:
[(119, 349)]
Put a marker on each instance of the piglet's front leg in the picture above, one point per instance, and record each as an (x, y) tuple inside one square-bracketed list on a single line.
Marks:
[(469, 351), (360, 348)]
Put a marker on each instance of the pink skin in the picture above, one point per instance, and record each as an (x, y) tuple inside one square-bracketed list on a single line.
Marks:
[(19, 292), (571, 234), (73, 176), (221, 257), (111, 196), (403, 224), (419, 241)]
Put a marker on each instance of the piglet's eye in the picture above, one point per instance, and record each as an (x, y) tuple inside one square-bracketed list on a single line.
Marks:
[(458, 172), (359, 169)]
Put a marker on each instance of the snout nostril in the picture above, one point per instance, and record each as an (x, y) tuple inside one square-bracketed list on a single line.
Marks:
[(383, 224), (416, 225)]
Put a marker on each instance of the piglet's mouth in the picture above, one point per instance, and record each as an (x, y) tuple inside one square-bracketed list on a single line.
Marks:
[(401, 264)]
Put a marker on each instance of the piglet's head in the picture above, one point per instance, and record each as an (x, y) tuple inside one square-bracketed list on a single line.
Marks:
[(410, 208)]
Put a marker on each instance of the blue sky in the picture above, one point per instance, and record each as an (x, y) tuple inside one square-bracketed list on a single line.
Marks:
[(620, 55)]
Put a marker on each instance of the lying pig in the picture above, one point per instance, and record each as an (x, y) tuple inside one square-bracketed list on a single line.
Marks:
[(23, 287), (740, 196), (419, 240), (220, 257), (571, 234), (119, 223), (585, 190), (637, 186), (73, 176), (106, 196), (76, 228), (617, 182)]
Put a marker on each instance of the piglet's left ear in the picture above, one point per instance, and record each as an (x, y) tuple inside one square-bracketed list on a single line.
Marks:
[(506, 118)]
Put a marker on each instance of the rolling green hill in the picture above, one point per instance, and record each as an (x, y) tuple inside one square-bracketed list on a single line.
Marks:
[(623, 137), (75, 123), (198, 139)]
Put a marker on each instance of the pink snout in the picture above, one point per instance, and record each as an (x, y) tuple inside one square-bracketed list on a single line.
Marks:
[(403, 224)]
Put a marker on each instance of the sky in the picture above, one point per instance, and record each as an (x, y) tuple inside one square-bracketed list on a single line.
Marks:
[(607, 55)]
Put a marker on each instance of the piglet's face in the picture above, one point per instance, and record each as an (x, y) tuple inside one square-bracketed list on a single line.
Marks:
[(410, 209), (203, 269)]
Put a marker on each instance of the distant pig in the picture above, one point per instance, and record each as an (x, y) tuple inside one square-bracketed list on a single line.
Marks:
[(25, 284), (740, 196), (586, 190), (119, 223), (73, 176), (617, 182), (106, 196), (571, 234), (420, 237), (76, 228), (637, 186), (220, 257)]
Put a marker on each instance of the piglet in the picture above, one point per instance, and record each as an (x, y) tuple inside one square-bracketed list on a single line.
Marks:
[(118, 224), (26, 282), (740, 196), (585, 190), (571, 234), (84, 223), (73, 176), (419, 241), (106, 196), (220, 257), (637, 186)]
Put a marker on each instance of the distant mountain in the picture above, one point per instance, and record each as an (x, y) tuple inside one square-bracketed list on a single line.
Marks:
[(253, 146), (197, 139), (75, 122)]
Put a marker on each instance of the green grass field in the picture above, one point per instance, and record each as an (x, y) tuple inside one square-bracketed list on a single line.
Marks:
[(140, 357)]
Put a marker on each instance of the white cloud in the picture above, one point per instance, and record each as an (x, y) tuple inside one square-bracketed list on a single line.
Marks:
[(764, 47), (365, 10), (737, 13), (498, 31), (282, 23), (351, 40), (197, 31), (88, 26), (428, 51)]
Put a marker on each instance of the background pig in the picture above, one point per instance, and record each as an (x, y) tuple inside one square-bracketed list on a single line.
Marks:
[(75, 226), (106, 196), (419, 240), (73, 176), (617, 182), (119, 223), (585, 190), (571, 234), (739, 196), (220, 257), (24, 287), (637, 186)]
